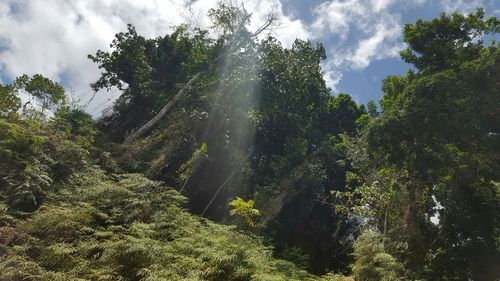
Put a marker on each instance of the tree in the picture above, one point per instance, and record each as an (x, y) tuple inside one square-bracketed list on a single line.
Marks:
[(296, 155), (372, 262), (372, 109), (41, 88), (231, 20), (447, 41), (148, 72), (440, 128), (10, 103), (244, 209), (76, 124)]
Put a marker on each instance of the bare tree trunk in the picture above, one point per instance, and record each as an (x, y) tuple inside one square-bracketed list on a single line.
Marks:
[(385, 219), (184, 184), (217, 192), (163, 111)]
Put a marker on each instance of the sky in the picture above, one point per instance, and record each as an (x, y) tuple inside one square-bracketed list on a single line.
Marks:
[(362, 38)]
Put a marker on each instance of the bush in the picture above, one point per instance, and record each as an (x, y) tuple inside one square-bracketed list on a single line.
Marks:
[(75, 124), (372, 262), (60, 224), (101, 226), (244, 209)]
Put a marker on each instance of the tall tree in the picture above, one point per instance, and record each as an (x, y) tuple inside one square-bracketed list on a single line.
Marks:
[(148, 72), (440, 127)]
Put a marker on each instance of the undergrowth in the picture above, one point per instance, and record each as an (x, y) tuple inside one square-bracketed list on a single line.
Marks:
[(100, 226)]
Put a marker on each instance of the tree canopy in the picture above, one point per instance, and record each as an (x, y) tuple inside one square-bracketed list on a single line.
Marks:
[(226, 157)]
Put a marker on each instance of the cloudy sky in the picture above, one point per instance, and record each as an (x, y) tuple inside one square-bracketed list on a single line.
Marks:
[(362, 37)]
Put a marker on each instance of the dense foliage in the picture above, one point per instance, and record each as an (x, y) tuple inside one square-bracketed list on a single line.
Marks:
[(243, 131), (67, 213), (433, 153)]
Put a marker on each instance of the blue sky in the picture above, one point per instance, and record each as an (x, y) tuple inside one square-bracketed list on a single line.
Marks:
[(364, 84), (362, 37)]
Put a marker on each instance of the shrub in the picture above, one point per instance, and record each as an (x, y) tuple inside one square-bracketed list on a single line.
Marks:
[(244, 209), (372, 262)]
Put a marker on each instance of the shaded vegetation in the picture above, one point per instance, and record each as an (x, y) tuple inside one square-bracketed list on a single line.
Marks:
[(256, 172)]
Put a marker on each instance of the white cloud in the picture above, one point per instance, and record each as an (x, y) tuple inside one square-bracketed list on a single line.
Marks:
[(286, 29), (53, 37), (418, 2), (461, 6), (331, 75), (383, 43), (379, 5), (362, 31), (336, 17)]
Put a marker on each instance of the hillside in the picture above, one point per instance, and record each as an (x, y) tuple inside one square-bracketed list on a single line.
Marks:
[(100, 226), (227, 157)]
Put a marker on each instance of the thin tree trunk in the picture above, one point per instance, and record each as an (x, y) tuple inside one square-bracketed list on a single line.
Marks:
[(385, 219), (184, 185), (163, 111), (217, 192)]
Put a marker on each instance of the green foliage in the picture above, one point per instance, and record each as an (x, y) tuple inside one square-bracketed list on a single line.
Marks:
[(263, 110), (342, 114), (295, 255), (432, 152), (372, 109), (419, 179), (67, 156), (76, 124), (23, 170), (188, 168), (337, 277), (36, 156), (10, 103), (393, 86), (28, 189), (46, 91), (19, 141), (148, 71), (59, 224), (372, 262), (244, 209), (125, 227), (227, 18), (447, 41)]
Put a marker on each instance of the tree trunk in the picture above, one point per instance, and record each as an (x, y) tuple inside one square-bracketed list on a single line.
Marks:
[(163, 111), (286, 193), (217, 192)]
